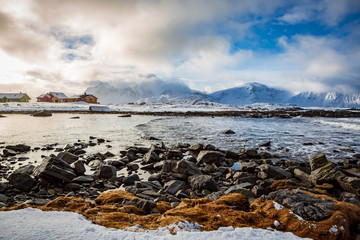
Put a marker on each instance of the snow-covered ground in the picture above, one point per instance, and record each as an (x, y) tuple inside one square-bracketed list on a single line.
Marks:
[(35, 224), (165, 106)]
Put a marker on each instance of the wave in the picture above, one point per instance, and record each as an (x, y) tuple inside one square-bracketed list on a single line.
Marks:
[(342, 124)]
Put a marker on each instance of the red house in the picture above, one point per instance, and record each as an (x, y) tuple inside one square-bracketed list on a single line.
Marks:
[(52, 97), (44, 98)]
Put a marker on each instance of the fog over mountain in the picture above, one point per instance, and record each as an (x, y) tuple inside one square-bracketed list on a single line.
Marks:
[(153, 89)]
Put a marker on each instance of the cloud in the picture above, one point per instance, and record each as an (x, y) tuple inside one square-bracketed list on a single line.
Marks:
[(67, 44)]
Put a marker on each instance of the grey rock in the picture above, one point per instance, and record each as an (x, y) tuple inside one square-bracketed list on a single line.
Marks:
[(42, 114), (78, 167), (174, 154), (186, 167), (210, 157), (238, 189), (248, 166), (22, 181), (21, 148), (228, 131), (54, 169), (303, 176), (94, 164), (130, 180), (4, 198), (306, 206), (318, 161), (132, 166), (83, 179), (174, 186), (9, 153), (196, 147), (68, 157), (106, 171), (267, 170), (150, 157), (201, 182), (145, 205), (151, 185)]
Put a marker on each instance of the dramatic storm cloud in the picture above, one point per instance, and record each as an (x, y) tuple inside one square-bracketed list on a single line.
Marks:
[(50, 45)]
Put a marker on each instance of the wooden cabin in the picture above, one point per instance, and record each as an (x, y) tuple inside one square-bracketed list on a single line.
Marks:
[(14, 97), (55, 97)]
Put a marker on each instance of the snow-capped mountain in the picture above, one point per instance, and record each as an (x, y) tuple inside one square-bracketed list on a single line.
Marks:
[(330, 99), (250, 93), (151, 89)]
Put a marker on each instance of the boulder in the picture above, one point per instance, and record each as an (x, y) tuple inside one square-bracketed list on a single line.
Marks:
[(106, 171), (306, 206), (323, 171), (132, 166), (130, 180), (55, 169), (210, 157), (239, 189), (68, 157), (145, 205), (22, 181), (186, 167), (196, 147), (83, 179), (201, 182), (150, 157), (267, 170), (248, 166), (19, 148), (318, 161), (228, 131), (174, 154), (9, 152), (78, 167), (42, 114), (174, 186)]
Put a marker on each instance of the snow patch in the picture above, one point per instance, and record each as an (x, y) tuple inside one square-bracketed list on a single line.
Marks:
[(277, 206)]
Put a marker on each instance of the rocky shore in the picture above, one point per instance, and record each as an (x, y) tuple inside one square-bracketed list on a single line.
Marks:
[(251, 113), (160, 185)]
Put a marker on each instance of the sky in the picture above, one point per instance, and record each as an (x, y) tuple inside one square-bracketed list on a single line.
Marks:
[(208, 45)]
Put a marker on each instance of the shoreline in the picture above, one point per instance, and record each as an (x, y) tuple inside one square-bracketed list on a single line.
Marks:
[(249, 114), (193, 183)]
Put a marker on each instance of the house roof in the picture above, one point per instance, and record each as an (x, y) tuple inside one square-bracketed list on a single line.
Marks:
[(58, 95), (12, 95), (43, 95), (87, 95)]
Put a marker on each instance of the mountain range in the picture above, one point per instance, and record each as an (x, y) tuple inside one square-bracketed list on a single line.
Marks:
[(159, 91)]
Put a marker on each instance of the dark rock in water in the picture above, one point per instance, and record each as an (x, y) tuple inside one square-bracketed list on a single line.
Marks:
[(106, 171), (130, 180), (78, 167), (9, 153), (201, 182), (55, 169), (252, 153), (154, 138), (75, 118), (19, 148), (125, 115), (267, 171), (174, 186), (68, 157), (229, 131), (186, 167), (306, 206), (100, 140), (266, 144), (42, 114), (210, 157), (2, 116)]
